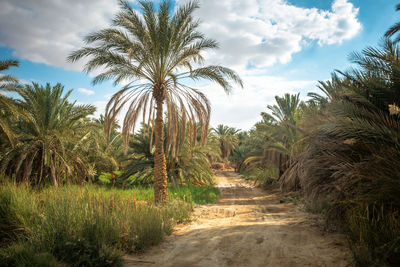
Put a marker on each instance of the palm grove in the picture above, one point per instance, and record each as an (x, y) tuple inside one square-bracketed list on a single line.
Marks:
[(339, 150), (156, 54)]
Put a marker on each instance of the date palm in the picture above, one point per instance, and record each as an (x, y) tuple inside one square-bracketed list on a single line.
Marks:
[(7, 106), (49, 131), (227, 139), (160, 55), (279, 133)]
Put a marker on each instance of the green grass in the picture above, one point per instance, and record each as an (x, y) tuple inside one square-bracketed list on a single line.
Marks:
[(190, 193), (87, 226), (266, 176), (195, 194)]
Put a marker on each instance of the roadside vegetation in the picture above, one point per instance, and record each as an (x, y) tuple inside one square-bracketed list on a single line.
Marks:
[(80, 225), (339, 149)]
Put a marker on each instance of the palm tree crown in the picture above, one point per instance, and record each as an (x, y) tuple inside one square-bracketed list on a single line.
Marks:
[(7, 105), (48, 136), (158, 53)]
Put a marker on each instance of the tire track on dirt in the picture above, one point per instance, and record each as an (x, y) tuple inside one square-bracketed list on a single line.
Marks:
[(247, 227)]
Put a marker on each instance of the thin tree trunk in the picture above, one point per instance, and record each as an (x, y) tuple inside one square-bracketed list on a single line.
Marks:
[(160, 169), (53, 174)]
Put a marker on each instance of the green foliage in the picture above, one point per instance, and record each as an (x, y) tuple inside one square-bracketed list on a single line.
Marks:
[(227, 139), (195, 194), (81, 225), (190, 165), (49, 132), (102, 154), (25, 255), (266, 176), (8, 110), (266, 151), (188, 193)]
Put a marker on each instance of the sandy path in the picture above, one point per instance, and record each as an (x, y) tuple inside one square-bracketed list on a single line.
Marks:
[(247, 227)]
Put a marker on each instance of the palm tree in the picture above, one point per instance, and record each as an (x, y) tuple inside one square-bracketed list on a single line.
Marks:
[(330, 89), (157, 53), (49, 136), (395, 28), (104, 154), (286, 109), (227, 139), (190, 166), (7, 80), (279, 134), (7, 107)]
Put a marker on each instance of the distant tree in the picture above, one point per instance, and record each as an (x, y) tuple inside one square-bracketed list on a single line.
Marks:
[(277, 133), (105, 153), (227, 137)]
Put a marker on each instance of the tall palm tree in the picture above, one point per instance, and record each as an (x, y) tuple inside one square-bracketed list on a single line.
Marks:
[(395, 28), (49, 132), (7, 106), (157, 52), (227, 139)]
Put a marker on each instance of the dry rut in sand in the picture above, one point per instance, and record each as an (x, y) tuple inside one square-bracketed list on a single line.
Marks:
[(247, 227)]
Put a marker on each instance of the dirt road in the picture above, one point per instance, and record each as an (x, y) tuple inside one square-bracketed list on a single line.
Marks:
[(247, 227)]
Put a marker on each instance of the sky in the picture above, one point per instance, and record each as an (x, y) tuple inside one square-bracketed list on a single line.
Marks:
[(276, 46)]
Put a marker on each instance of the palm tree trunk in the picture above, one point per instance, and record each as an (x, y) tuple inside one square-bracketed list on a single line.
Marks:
[(53, 174), (160, 169)]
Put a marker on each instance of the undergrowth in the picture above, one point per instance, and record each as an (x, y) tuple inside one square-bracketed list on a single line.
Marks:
[(86, 226)]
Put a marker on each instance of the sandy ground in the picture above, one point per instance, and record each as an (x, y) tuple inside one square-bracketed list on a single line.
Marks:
[(247, 227)]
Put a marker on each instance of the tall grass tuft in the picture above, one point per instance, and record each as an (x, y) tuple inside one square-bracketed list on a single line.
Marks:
[(81, 226)]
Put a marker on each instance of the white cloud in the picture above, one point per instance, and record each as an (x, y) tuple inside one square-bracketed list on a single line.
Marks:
[(100, 108), (259, 33), (23, 81), (242, 108), (265, 32), (85, 91), (46, 31)]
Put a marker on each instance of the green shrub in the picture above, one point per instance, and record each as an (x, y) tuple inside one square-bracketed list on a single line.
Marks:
[(265, 176), (24, 255)]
